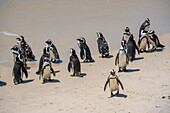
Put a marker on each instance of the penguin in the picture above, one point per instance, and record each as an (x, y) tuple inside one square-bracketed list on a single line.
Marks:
[(143, 41), (103, 47), (18, 66), (45, 54), (74, 64), (126, 34), (84, 50), (122, 58), (145, 26), (131, 48), (114, 82), (54, 55), (29, 53), (155, 39), (46, 70)]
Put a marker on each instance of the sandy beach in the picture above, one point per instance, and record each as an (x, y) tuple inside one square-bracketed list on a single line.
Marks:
[(147, 82)]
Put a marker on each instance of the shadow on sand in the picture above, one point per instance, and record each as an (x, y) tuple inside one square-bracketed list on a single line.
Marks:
[(2, 83), (108, 57), (54, 81), (132, 70), (119, 95), (27, 81), (157, 50), (139, 58), (57, 62)]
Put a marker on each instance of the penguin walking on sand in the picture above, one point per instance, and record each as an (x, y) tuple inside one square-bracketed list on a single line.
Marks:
[(54, 55), (102, 45), (74, 64), (131, 48), (126, 34), (85, 53), (114, 82), (155, 39), (122, 59), (18, 66), (46, 70)]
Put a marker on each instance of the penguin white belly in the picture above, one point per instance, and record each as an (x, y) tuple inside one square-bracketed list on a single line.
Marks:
[(113, 85), (143, 44), (126, 37), (52, 56), (47, 72), (122, 59)]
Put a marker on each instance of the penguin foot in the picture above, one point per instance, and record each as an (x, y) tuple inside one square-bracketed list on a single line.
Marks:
[(72, 75), (120, 70), (125, 70), (44, 81), (38, 72), (49, 79), (160, 45)]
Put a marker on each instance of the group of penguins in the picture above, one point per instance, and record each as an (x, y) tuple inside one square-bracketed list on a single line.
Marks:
[(23, 52)]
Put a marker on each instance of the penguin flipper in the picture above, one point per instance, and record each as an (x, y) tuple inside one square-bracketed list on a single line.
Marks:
[(82, 55), (120, 83), (69, 66), (106, 83), (117, 59), (52, 70)]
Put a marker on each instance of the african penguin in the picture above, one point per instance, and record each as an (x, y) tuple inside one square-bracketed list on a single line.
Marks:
[(122, 58), (18, 66), (46, 70), (114, 82), (143, 41), (102, 45), (84, 50), (154, 38), (131, 48), (145, 26), (126, 34), (54, 55), (74, 64)]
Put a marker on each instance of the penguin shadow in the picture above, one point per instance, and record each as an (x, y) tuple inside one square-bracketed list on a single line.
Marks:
[(139, 58), (119, 95), (27, 68), (55, 72), (83, 74), (31, 60), (27, 81), (157, 50), (88, 62), (53, 81), (132, 70), (2, 83), (108, 57), (57, 62)]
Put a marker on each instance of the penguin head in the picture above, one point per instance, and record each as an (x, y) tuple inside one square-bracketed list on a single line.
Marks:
[(112, 72), (15, 48), (131, 37), (127, 30), (48, 42), (147, 20), (72, 52), (99, 35), (150, 32), (81, 40)]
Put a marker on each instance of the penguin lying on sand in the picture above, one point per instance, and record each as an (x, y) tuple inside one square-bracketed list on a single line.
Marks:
[(46, 70), (114, 82), (74, 64), (102, 45), (18, 66), (131, 48), (84, 50), (155, 39), (122, 58)]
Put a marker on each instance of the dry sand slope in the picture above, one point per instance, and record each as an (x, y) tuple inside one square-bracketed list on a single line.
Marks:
[(145, 84)]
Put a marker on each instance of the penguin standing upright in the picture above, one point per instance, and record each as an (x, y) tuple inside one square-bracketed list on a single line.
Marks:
[(145, 26), (143, 41), (122, 58), (126, 34), (46, 70), (131, 48), (102, 45), (84, 50), (74, 64), (114, 82), (54, 55), (155, 39), (18, 66)]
